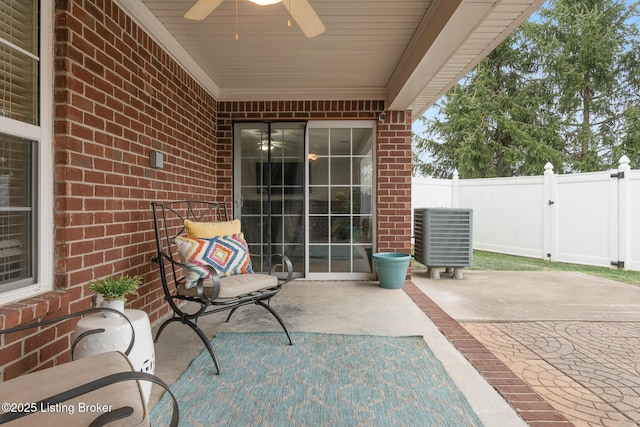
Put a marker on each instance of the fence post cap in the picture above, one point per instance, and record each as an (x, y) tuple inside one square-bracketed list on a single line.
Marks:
[(548, 168), (624, 162)]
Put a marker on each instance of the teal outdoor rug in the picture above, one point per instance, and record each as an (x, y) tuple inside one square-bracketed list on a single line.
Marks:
[(321, 380)]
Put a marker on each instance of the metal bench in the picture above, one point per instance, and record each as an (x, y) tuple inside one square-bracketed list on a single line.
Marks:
[(196, 242)]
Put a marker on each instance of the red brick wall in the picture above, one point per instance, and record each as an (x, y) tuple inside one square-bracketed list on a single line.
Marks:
[(118, 96), (21, 352), (394, 183)]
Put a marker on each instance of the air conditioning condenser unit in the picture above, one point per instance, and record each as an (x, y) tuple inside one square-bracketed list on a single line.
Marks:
[(443, 239)]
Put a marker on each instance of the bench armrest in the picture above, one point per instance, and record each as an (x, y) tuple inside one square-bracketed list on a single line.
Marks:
[(275, 260)]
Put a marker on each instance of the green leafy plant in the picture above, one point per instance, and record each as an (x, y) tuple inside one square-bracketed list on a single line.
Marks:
[(117, 287)]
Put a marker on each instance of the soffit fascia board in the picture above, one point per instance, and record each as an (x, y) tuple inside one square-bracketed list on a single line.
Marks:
[(298, 94), (535, 5), (142, 16), (440, 35)]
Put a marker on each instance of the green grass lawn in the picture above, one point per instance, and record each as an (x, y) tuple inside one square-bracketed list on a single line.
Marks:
[(492, 261)]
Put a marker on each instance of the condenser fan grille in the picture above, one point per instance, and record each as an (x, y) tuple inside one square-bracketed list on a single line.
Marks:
[(443, 237)]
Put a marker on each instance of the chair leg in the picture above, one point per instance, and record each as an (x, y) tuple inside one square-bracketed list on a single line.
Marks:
[(207, 344), (233, 310), (164, 325), (278, 318), (198, 331)]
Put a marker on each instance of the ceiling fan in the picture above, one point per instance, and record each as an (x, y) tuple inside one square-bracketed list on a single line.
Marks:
[(300, 10)]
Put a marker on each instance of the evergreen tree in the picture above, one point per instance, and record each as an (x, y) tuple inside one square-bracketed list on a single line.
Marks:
[(489, 125), (588, 52), (562, 89)]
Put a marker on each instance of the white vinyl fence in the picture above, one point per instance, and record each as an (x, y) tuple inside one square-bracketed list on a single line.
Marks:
[(587, 218)]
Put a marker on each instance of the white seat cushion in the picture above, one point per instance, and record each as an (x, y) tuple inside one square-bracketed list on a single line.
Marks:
[(234, 286)]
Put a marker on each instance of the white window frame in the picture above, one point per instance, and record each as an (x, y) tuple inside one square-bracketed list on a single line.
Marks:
[(43, 134)]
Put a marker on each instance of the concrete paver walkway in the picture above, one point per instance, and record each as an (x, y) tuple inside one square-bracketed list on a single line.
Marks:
[(572, 337), (586, 370)]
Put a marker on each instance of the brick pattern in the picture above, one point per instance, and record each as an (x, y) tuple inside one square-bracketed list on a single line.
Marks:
[(118, 97), (526, 401), (393, 162), (580, 367), (36, 348)]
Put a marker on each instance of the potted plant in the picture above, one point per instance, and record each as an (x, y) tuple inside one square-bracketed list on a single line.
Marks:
[(114, 289)]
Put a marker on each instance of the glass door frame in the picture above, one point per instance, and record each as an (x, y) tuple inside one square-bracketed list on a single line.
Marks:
[(267, 196), (340, 124), (308, 125)]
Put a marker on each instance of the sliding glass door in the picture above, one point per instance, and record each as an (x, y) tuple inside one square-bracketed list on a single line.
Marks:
[(269, 189), (340, 203), (308, 189)]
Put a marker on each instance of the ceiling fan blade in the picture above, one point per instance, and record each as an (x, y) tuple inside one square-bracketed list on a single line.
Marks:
[(201, 9), (305, 17)]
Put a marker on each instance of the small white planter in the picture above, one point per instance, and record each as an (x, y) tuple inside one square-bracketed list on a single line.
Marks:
[(114, 303)]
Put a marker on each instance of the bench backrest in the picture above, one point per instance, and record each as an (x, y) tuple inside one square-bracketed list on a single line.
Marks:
[(168, 221)]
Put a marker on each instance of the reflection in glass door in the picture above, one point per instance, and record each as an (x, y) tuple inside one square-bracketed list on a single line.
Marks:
[(269, 189), (340, 213)]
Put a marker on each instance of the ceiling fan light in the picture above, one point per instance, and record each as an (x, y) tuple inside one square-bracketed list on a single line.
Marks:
[(265, 2)]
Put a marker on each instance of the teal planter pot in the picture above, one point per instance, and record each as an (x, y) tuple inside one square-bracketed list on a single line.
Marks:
[(391, 268)]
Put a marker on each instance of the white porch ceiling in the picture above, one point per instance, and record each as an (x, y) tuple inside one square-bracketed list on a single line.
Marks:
[(407, 52)]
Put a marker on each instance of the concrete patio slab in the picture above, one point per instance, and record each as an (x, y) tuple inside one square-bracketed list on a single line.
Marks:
[(532, 295), (572, 337)]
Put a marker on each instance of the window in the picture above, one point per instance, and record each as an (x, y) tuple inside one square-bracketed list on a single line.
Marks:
[(25, 149), (19, 60)]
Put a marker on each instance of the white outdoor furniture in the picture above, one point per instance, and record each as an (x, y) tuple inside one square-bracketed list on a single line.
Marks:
[(115, 337)]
